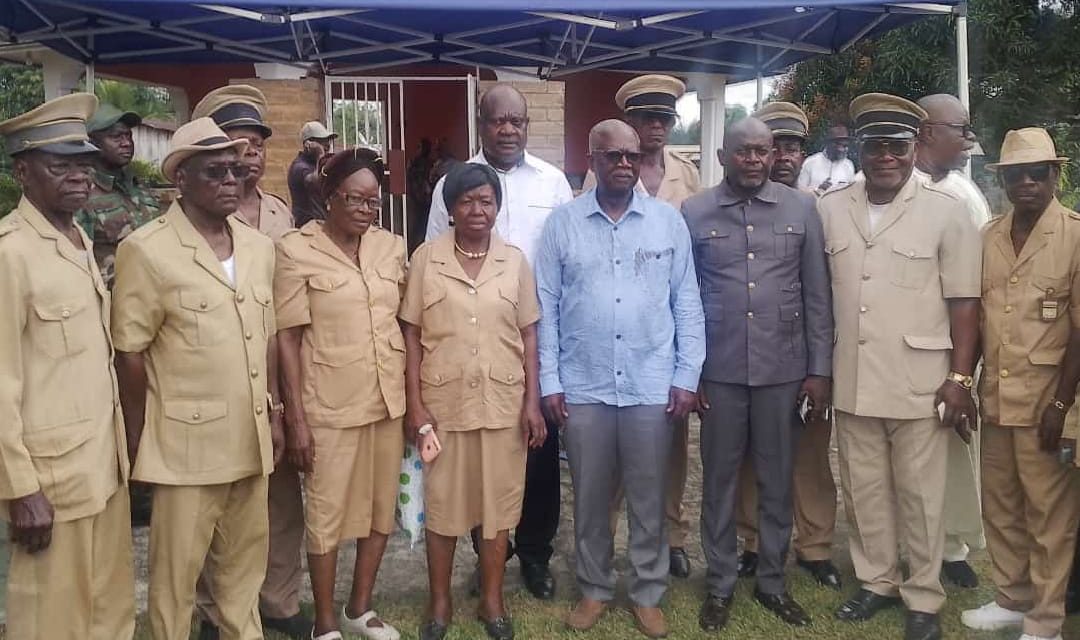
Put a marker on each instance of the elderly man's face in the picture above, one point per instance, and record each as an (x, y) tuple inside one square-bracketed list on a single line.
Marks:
[(887, 162), (652, 128), (837, 146), (255, 154), (788, 157), (1030, 187), (55, 183), (504, 128), (616, 161), (211, 181), (116, 144)]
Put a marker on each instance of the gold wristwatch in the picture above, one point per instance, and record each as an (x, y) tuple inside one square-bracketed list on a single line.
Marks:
[(966, 382)]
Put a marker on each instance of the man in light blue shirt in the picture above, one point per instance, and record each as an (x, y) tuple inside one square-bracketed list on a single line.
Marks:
[(622, 342)]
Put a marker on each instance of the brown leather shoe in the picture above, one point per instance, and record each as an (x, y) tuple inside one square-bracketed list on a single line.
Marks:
[(586, 614), (650, 621)]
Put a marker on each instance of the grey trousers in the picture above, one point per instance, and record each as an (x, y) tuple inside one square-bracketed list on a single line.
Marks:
[(759, 422), (607, 446)]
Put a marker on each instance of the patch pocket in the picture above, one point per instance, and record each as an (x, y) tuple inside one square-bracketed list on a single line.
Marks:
[(56, 330), (335, 370), (714, 246), (926, 359), (193, 432), (200, 326), (911, 266), (265, 298), (838, 254), (789, 238)]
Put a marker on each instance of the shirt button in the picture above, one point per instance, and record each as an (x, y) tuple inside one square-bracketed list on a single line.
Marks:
[(790, 228), (475, 351), (1008, 308), (618, 373), (618, 299), (195, 416), (618, 336), (247, 336), (254, 373), (472, 320), (866, 276), (65, 314), (713, 232), (618, 262), (750, 227), (258, 410), (1004, 373), (1005, 340), (510, 378), (1014, 279), (869, 245), (239, 297), (751, 285), (862, 340), (862, 309), (750, 256), (749, 314), (471, 291), (472, 384), (911, 254), (202, 305)]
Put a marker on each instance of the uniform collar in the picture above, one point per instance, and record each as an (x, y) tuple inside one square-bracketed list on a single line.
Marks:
[(527, 160), (442, 253), (41, 225), (122, 180), (726, 197), (203, 254), (1050, 222)]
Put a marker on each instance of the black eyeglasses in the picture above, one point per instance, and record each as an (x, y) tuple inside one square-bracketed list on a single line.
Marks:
[(218, 172), (1037, 172), (615, 156), (360, 202), (879, 148), (964, 128)]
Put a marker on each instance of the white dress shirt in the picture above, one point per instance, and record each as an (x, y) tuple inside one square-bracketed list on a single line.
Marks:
[(530, 191), (961, 186), (818, 168)]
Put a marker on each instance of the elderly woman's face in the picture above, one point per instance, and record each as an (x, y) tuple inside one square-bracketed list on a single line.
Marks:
[(355, 203), (475, 210)]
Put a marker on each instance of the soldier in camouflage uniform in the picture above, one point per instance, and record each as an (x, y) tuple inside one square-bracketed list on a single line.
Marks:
[(118, 204)]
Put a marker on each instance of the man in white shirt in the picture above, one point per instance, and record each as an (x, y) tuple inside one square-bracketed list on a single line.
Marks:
[(831, 167), (531, 188)]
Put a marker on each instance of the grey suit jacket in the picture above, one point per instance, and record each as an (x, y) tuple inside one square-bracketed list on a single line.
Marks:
[(764, 282)]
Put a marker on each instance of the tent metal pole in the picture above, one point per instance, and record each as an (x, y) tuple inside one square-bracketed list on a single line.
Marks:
[(962, 77)]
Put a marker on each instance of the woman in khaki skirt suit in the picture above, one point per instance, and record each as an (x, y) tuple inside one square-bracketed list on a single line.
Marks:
[(337, 289), (470, 314)]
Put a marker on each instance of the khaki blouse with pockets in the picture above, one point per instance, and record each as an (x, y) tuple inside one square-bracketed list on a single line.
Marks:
[(352, 355), (473, 370)]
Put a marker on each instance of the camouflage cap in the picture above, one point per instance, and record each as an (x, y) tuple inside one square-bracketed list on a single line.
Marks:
[(108, 114)]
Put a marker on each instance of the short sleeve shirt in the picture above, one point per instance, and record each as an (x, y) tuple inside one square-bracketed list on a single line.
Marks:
[(352, 354), (473, 371)]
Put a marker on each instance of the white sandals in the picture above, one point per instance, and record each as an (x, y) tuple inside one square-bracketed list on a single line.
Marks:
[(360, 627), (329, 635)]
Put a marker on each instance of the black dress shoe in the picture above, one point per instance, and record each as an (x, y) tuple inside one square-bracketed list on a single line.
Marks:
[(680, 563), (747, 564), (959, 573), (823, 571), (784, 606), (498, 628), (863, 605), (296, 627), (538, 580), (208, 631), (714, 613), (433, 630), (922, 626)]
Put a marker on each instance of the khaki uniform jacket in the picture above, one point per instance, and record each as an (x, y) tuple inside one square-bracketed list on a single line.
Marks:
[(205, 341), (275, 218), (352, 356), (1023, 345), (61, 429), (681, 180), (890, 292), (473, 370)]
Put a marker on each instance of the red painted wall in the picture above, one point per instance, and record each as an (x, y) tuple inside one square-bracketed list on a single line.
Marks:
[(196, 80), (590, 98)]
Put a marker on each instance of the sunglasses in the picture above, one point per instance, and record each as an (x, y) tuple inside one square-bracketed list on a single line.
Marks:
[(218, 172), (879, 148), (1037, 172), (615, 156)]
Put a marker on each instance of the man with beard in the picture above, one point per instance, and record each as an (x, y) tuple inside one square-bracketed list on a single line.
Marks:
[(831, 167), (118, 203), (813, 489), (904, 261), (240, 111), (193, 321), (64, 457), (648, 105), (622, 339)]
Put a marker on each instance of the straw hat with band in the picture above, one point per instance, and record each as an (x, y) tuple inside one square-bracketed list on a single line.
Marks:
[(1027, 146), (58, 126), (198, 136), (108, 114), (650, 94), (880, 115), (235, 105), (784, 119)]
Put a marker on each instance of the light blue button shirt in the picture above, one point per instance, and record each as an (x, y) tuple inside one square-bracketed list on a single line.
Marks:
[(621, 313)]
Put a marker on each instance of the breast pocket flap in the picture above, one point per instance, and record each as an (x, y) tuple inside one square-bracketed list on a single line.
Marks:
[(929, 343), (196, 411), (56, 441)]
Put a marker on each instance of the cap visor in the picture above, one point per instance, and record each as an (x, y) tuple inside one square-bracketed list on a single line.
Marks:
[(74, 148)]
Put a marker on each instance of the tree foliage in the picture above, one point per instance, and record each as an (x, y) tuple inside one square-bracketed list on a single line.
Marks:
[(149, 102)]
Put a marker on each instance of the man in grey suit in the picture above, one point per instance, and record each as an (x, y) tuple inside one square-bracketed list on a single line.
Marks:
[(759, 251)]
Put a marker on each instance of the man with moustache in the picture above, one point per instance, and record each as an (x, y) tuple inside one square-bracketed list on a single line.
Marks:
[(904, 261), (759, 253), (1031, 367), (193, 321), (813, 489), (240, 111), (64, 466), (829, 167), (119, 203), (531, 189), (622, 339)]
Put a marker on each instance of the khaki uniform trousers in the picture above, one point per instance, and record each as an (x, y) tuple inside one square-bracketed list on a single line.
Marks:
[(83, 586), (1031, 506), (814, 496), (280, 593), (892, 473), (677, 523), (223, 526)]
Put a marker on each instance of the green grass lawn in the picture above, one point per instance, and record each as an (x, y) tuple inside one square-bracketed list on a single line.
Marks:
[(749, 620)]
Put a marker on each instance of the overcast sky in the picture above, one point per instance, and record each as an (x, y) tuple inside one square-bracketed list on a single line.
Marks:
[(744, 93)]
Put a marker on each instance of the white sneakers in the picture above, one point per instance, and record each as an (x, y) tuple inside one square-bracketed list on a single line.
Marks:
[(360, 627), (991, 617)]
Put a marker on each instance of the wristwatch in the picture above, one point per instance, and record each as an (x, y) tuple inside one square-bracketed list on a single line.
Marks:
[(964, 381), (1059, 405)]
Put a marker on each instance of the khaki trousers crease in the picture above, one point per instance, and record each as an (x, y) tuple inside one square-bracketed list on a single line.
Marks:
[(1031, 506), (814, 497), (280, 593), (677, 523), (222, 527), (892, 474), (82, 587)]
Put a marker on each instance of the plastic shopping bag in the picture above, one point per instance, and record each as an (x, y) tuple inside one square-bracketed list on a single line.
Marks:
[(410, 503)]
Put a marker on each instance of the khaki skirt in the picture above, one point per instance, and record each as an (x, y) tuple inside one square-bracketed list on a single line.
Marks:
[(477, 480), (354, 487)]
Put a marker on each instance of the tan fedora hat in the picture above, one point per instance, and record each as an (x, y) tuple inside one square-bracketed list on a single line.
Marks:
[(1027, 146), (198, 136)]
